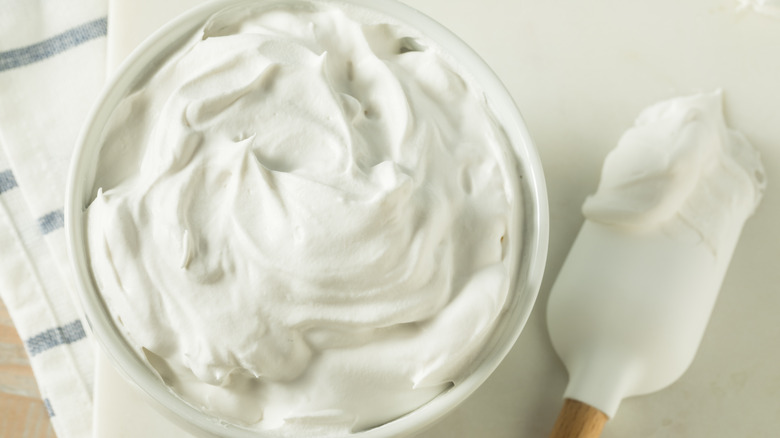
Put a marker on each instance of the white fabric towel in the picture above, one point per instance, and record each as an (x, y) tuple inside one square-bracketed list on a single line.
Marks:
[(52, 67)]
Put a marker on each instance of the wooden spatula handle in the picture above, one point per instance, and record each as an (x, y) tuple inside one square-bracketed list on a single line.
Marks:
[(578, 420)]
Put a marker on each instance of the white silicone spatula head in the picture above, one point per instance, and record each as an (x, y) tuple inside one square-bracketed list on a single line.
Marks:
[(628, 311), (632, 300)]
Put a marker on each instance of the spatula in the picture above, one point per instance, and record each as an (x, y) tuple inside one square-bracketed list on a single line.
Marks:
[(631, 303)]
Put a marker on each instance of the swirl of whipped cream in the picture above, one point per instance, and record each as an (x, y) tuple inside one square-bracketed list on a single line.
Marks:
[(681, 169), (302, 219)]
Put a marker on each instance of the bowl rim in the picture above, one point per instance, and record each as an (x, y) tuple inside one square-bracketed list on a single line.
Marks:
[(534, 221)]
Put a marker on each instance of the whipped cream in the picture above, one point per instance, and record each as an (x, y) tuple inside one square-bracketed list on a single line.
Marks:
[(681, 170), (765, 7), (301, 219)]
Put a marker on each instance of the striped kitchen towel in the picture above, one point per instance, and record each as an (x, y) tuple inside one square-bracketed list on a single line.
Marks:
[(52, 66)]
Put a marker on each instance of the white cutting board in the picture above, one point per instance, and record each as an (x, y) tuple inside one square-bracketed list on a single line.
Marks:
[(581, 71)]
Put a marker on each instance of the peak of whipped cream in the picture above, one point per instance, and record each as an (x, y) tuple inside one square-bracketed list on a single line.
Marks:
[(680, 169), (302, 219)]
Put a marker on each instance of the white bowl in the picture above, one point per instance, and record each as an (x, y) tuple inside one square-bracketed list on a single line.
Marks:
[(529, 255)]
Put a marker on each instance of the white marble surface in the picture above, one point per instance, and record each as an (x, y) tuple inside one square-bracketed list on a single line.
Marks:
[(581, 71)]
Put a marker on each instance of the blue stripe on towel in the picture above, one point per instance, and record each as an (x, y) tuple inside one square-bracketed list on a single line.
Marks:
[(7, 181), (53, 337), (57, 44), (51, 221), (49, 410)]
